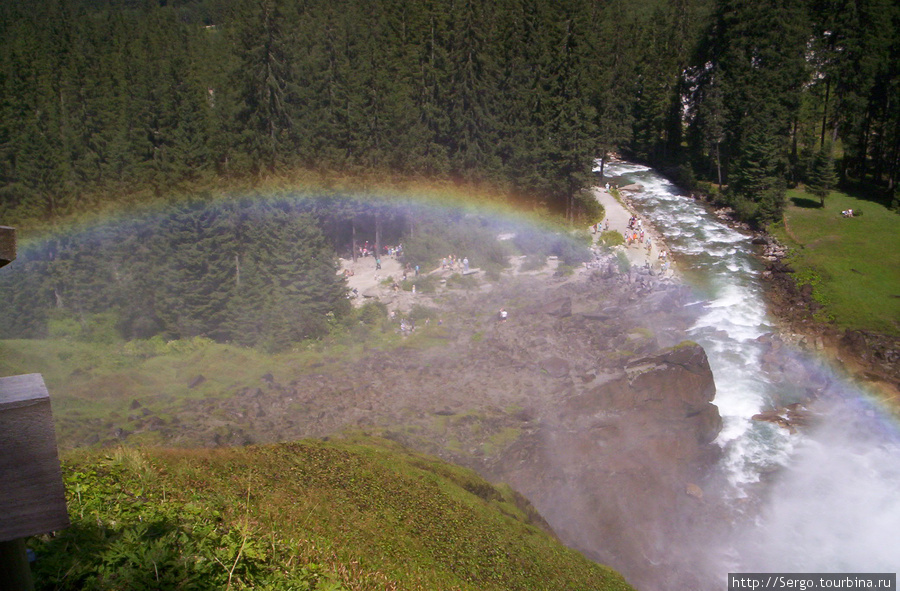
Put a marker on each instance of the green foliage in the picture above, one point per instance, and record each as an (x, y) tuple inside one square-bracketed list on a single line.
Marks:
[(812, 278), (277, 518), (775, 86), (539, 244), (372, 313), (160, 98), (611, 238), (115, 104), (423, 283), (590, 211), (89, 328), (849, 262), (419, 313), (822, 177), (623, 262), (534, 262), (459, 281), (252, 272), (451, 232), (128, 532)]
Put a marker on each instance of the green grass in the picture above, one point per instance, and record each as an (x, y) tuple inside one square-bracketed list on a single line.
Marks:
[(852, 263), (355, 514), (94, 384)]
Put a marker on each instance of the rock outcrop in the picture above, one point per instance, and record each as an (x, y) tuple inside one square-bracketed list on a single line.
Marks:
[(878, 354), (614, 469)]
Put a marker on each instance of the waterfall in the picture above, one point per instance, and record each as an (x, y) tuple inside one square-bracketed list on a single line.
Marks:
[(833, 503)]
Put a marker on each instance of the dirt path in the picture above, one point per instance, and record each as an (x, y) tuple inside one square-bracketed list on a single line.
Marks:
[(367, 281), (617, 216), (364, 276)]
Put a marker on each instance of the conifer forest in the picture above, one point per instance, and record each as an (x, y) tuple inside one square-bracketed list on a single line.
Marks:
[(102, 96), (108, 103)]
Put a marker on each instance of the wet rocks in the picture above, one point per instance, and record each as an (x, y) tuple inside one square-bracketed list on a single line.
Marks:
[(555, 367), (879, 354), (615, 468), (789, 417)]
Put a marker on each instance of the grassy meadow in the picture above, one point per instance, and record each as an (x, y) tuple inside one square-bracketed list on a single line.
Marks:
[(853, 264), (356, 514)]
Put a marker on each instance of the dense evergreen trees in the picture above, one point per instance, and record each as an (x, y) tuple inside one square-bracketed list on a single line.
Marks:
[(101, 99), (777, 86), (255, 272)]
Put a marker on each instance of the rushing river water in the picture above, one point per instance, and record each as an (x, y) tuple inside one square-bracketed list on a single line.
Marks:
[(834, 504)]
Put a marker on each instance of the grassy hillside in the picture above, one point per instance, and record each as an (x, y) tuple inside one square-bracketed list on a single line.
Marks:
[(853, 264), (363, 514), (97, 386)]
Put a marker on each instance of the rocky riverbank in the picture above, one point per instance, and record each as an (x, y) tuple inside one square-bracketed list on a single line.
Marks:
[(871, 357)]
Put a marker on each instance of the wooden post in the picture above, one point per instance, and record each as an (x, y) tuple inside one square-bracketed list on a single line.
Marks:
[(32, 495), (15, 573), (7, 245)]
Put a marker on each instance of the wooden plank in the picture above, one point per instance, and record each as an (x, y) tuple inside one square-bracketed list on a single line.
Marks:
[(7, 245), (15, 572), (32, 497)]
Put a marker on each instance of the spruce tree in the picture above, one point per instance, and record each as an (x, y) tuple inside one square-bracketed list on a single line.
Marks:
[(822, 176)]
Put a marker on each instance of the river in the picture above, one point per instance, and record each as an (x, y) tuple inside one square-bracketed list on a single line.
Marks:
[(826, 499)]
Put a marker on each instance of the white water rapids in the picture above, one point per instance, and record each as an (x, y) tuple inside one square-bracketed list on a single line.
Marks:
[(834, 503)]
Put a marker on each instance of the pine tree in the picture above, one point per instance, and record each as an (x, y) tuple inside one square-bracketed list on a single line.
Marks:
[(822, 176), (266, 83)]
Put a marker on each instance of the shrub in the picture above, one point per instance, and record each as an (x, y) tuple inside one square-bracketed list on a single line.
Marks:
[(372, 313), (572, 252), (462, 281), (419, 313), (590, 210), (423, 283), (533, 262), (88, 328), (611, 238), (622, 260)]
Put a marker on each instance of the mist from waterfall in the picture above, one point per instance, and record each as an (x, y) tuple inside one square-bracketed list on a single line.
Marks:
[(821, 500)]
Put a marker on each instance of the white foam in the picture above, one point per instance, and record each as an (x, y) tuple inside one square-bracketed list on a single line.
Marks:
[(837, 505), (835, 510)]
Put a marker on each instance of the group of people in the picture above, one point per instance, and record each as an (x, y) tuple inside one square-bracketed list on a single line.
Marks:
[(453, 263), (596, 227), (847, 213), (366, 249)]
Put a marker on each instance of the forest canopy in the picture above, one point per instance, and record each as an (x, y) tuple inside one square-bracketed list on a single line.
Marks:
[(121, 100), (253, 272)]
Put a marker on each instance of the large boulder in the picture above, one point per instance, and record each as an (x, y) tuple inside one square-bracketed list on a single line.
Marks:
[(610, 465)]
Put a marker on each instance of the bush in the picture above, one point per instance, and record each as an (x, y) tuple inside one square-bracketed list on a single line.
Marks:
[(532, 242), (419, 313), (453, 233), (533, 262), (590, 211), (611, 238), (63, 326), (372, 313), (423, 283), (622, 260), (88, 328), (711, 191), (571, 252), (462, 281)]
